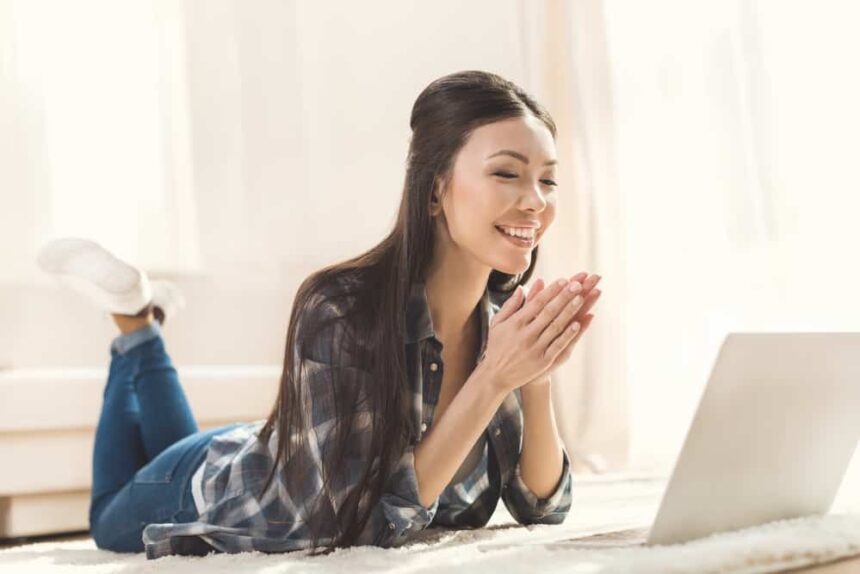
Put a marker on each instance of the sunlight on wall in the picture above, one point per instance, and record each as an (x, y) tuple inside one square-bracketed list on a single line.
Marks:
[(736, 149), (98, 68)]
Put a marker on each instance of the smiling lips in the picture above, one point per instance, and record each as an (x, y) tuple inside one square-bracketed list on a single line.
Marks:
[(522, 237)]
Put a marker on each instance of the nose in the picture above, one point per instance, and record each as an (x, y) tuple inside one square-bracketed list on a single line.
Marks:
[(533, 198)]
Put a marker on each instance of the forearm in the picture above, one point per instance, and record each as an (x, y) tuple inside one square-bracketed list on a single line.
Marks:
[(541, 459), (445, 446)]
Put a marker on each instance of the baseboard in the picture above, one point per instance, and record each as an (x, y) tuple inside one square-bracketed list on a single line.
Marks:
[(49, 513)]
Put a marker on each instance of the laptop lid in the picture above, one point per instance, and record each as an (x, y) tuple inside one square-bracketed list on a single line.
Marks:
[(772, 437)]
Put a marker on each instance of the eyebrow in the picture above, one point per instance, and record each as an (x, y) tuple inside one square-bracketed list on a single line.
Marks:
[(519, 156)]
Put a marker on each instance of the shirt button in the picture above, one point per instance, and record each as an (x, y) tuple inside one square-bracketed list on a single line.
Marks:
[(498, 432), (423, 427), (434, 367), (391, 525)]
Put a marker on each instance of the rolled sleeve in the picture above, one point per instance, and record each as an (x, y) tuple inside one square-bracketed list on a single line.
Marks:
[(527, 508), (400, 512)]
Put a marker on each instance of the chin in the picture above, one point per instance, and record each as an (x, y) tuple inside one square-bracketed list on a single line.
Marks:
[(514, 268)]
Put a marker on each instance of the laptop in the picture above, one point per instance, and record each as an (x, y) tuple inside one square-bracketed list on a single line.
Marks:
[(771, 439)]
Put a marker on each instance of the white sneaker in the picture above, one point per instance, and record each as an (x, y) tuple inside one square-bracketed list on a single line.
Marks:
[(167, 299), (88, 268)]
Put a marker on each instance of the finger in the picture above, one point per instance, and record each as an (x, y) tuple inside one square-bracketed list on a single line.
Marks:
[(536, 288), (539, 284), (586, 322), (567, 351), (563, 318), (564, 339), (590, 300), (509, 307), (531, 309), (587, 281), (550, 312), (590, 283)]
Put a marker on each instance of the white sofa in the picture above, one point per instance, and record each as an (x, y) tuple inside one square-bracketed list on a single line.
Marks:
[(47, 426)]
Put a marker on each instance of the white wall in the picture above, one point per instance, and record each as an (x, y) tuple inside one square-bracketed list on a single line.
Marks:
[(297, 137), (740, 191)]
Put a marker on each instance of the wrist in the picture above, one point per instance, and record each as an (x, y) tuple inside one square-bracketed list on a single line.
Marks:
[(489, 382), (537, 383), (537, 391)]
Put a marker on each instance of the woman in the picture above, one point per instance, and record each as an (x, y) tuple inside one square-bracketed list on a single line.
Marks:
[(415, 386)]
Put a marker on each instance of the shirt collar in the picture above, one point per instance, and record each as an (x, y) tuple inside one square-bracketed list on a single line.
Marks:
[(419, 324)]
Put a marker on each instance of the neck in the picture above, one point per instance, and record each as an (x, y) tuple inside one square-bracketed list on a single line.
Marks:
[(454, 285)]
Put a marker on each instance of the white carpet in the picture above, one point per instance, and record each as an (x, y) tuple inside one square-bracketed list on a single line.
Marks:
[(600, 504)]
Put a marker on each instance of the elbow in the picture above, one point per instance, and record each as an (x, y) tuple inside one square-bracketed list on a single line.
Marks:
[(551, 516), (556, 516), (526, 509)]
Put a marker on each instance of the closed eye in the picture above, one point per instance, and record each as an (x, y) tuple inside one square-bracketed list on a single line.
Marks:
[(507, 175)]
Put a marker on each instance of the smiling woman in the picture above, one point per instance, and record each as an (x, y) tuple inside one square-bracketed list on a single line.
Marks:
[(442, 273), (411, 371)]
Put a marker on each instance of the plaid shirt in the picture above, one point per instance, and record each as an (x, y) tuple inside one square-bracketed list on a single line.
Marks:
[(234, 519)]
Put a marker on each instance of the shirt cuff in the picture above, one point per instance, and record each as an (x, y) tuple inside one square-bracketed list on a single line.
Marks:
[(528, 508), (402, 512)]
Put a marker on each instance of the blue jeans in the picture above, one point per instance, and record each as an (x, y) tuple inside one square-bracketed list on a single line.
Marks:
[(147, 445)]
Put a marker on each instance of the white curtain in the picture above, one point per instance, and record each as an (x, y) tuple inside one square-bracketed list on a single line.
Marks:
[(568, 69), (714, 145)]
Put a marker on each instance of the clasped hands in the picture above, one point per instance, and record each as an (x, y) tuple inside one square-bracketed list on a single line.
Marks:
[(581, 315), (534, 333)]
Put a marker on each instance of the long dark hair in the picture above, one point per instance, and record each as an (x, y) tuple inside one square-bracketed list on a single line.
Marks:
[(377, 285)]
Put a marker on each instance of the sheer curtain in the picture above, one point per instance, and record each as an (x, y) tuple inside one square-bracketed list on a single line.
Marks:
[(567, 68), (97, 132), (715, 192)]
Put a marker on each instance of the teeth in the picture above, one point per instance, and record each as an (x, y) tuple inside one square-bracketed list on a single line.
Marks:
[(518, 232)]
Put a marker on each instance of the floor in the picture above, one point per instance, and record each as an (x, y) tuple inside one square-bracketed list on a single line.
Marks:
[(846, 566), (603, 505), (843, 566)]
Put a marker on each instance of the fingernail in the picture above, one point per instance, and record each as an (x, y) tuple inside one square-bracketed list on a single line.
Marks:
[(574, 286), (562, 282)]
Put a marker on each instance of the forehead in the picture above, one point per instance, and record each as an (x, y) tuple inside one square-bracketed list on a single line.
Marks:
[(527, 135)]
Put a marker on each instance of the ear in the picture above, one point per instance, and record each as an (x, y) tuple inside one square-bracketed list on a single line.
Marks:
[(436, 198)]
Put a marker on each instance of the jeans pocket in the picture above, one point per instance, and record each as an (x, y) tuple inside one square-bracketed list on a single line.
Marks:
[(154, 502), (157, 488)]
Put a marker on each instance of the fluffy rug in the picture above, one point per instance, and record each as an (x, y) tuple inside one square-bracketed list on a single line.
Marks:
[(601, 504)]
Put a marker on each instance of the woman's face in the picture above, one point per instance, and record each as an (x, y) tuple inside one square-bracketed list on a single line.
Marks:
[(503, 178)]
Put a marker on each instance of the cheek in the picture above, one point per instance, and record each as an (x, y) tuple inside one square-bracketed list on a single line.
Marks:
[(471, 211), (548, 215)]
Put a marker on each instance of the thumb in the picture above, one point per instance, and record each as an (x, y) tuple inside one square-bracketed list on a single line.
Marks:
[(510, 307)]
